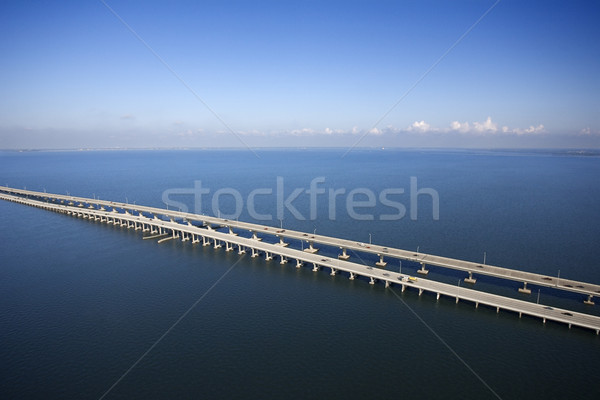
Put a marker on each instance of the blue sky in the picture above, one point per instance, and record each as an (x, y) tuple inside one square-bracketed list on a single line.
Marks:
[(309, 73)]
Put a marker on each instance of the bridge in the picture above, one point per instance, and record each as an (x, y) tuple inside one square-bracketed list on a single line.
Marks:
[(164, 225)]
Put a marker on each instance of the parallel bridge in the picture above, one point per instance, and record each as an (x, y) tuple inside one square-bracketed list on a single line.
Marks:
[(147, 219)]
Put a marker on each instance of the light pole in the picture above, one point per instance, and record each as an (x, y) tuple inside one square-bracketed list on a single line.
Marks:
[(400, 270), (558, 279), (484, 255), (369, 238)]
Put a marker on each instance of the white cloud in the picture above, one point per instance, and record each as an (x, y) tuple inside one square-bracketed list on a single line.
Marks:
[(527, 131), (535, 129), (490, 127), (303, 131), (419, 126), (463, 127), (589, 131), (375, 131), (487, 126)]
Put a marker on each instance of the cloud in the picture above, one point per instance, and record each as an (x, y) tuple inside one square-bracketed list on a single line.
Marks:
[(587, 131), (475, 127), (302, 132), (463, 127), (127, 116), (419, 126), (490, 127), (487, 126), (527, 131)]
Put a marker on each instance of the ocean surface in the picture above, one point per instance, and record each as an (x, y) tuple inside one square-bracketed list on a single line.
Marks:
[(90, 310)]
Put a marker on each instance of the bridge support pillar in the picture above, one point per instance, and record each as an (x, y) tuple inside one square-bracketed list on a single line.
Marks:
[(437, 297), (372, 281), (589, 300), (311, 249), (298, 263), (333, 271), (241, 249), (420, 291), (205, 241), (184, 236), (403, 288), (315, 267), (423, 271), (387, 284), (343, 256), (255, 237), (470, 279), (476, 304), (497, 310), (281, 242), (283, 259), (520, 314), (195, 238), (381, 263), (524, 289), (352, 276), (228, 246), (231, 232), (268, 256), (254, 252)]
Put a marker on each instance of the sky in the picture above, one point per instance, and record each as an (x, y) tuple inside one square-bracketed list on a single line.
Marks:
[(145, 74)]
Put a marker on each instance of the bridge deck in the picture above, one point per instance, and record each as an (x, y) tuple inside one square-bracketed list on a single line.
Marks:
[(586, 288), (499, 302)]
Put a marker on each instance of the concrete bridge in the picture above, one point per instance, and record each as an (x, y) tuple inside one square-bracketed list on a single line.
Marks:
[(152, 221)]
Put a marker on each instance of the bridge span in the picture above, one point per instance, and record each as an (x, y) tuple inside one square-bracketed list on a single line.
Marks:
[(147, 220)]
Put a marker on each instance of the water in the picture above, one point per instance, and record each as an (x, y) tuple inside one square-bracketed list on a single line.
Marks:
[(82, 301)]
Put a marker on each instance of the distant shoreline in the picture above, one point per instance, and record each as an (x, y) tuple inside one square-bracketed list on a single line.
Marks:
[(532, 151)]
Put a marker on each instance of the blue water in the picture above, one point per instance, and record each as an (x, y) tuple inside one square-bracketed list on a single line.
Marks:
[(81, 302)]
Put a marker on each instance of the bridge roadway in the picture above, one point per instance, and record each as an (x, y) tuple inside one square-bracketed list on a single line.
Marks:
[(187, 232), (588, 289)]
